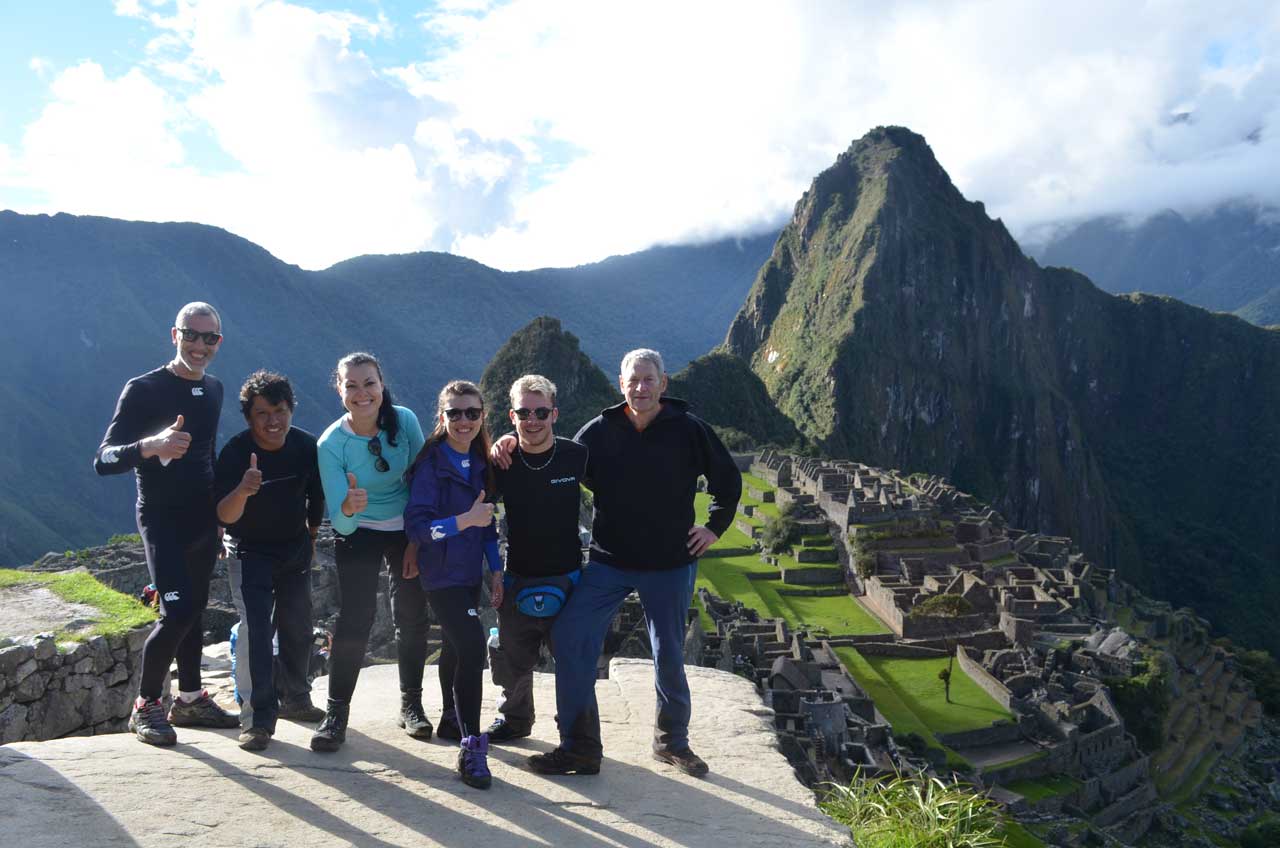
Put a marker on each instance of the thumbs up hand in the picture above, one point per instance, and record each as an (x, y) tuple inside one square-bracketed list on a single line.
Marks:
[(252, 479), (479, 515), (169, 444), (357, 499)]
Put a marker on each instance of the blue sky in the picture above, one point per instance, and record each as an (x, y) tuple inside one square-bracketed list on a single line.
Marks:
[(528, 133)]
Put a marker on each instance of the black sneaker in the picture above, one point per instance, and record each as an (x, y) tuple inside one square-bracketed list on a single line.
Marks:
[(255, 738), (473, 762), (687, 761), (300, 709), (149, 723), (505, 731), (332, 731), (202, 712), (448, 728), (412, 717), (560, 761)]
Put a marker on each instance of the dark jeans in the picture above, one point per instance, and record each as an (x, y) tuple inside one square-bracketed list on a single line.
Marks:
[(360, 558), (181, 548), (271, 588), (520, 639), (462, 646), (578, 636)]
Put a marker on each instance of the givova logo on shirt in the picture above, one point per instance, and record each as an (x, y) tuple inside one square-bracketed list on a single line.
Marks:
[(556, 480)]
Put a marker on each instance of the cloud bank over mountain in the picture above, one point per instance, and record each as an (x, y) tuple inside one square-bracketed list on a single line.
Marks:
[(527, 134)]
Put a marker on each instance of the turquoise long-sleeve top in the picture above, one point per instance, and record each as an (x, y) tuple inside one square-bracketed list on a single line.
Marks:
[(341, 451)]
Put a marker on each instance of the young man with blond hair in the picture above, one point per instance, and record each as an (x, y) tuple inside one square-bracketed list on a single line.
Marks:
[(540, 491)]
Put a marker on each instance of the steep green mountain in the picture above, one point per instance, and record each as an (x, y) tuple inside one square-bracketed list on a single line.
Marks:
[(89, 302), (542, 347), (898, 324), (1227, 260), (725, 392)]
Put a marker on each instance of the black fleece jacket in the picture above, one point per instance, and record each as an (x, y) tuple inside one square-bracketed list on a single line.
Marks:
[(643, 484)]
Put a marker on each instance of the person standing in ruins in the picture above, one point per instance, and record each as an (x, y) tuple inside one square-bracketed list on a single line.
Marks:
[(164, 428)]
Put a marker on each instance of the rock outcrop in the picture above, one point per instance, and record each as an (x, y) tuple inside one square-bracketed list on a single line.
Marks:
[(385, 789)]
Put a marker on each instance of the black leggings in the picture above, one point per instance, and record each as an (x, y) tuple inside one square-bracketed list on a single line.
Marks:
[(181, 548), (360, 558), (461, 653)]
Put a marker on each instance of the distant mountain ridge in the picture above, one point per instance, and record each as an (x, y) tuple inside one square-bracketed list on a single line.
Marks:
[(895, 323), (1227, 259), (89, 302)]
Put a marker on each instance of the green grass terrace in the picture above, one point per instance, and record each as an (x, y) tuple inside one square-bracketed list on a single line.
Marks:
[(908, 693)]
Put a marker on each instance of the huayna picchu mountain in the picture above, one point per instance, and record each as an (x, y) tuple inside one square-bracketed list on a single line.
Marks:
[(897, 324), (543, 347)]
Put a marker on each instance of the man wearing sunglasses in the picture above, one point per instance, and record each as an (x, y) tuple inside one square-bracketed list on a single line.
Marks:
[(164, 428), (540, 489)]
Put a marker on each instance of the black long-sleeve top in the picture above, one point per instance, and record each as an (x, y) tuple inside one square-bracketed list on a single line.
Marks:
[(148, 404), (644, 481), (290, 498)]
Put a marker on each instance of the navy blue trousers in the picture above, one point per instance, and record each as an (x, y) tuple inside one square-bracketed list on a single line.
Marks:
[(578, 637)]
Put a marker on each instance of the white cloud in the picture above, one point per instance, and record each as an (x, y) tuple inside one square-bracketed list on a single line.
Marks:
[(551, 134)]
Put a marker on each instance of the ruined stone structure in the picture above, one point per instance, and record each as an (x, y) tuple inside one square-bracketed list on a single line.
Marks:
[(49, 691)]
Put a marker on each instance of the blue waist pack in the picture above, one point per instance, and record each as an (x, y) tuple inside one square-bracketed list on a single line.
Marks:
[(541, 597)]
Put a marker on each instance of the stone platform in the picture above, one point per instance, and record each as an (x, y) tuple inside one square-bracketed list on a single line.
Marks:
[(385, 789)]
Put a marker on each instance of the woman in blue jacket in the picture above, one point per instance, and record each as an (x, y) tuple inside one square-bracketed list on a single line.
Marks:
[(448, 519), (363, 457)]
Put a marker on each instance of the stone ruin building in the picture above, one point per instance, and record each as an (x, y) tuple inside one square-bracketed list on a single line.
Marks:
[(1033, 633)]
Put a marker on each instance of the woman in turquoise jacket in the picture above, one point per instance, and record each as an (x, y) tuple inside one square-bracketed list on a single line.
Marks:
[(363, 458)]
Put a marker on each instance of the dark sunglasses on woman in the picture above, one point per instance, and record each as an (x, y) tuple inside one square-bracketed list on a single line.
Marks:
[(473, 413), (375, 448)]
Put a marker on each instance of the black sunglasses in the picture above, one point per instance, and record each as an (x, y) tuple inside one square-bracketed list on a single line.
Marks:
[(375, 448), (190, 335), (542, 413), (473, 413)]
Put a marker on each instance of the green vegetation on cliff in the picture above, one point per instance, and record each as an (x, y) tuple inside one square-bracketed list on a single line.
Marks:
[(896, 324)]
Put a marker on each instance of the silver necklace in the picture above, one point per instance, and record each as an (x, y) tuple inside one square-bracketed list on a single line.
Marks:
[(543, 465)]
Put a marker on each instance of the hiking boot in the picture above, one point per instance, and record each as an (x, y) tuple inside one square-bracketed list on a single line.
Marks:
[(561, 761), (505, 731), (332, 731), (412, 717), (687, 761), (255, 738), (300, 708), (202, 712), (150, 724), (473, 762), (448, 728)]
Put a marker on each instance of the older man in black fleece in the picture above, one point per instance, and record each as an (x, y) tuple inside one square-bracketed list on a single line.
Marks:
[(645, 458)]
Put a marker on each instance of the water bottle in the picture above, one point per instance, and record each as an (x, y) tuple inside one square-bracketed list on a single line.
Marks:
[(493, 638), (235, 690)]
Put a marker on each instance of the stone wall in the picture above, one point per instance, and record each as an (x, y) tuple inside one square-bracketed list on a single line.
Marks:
[(983, 678), (85, 689)]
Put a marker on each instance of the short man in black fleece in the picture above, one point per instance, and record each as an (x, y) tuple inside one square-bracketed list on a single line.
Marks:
[(267, 481), (644, 460)]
